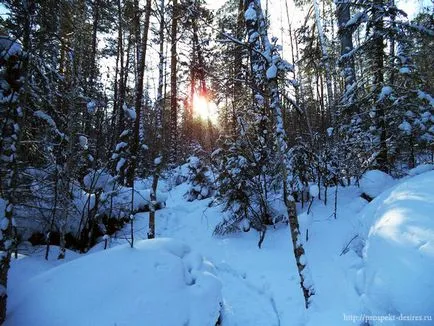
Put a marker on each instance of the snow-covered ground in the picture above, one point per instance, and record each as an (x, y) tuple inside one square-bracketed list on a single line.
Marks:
[(368, 262)]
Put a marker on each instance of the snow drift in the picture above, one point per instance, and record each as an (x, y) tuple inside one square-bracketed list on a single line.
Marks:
[(374, 182), (399, 250), (159, 282)]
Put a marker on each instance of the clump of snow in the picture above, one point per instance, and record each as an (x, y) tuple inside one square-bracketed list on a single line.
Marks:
[(159, 282), (120, 164), (91, 107), (49, 120), (404, 70), (374, 182), (405, 127), (9, 47), (157, 160), (99, 180), (120, 146), (84, 142), (250, 13), (130, 112), (272, 72), (314, 190), (385, 92), (399, 250), (424, 96)]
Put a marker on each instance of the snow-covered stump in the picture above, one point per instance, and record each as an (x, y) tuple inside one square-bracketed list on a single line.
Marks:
[(373, 183)]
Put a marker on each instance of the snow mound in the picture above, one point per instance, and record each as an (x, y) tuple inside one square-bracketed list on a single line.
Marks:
[(399, 250), (374, 182), (421, 169), (159, 282)]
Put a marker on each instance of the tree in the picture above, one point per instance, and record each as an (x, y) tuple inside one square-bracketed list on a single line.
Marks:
[(158, 159), (141, 50), (173, 84), (13, 68)]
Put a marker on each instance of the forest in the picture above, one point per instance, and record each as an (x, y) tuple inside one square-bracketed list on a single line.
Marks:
[(262, 115)]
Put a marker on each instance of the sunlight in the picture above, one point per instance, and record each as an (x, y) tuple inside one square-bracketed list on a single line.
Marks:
[(204, 109)]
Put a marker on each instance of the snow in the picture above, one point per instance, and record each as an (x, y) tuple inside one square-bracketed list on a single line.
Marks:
[(91, 107), (424, 96), (385, 92), (389, 240), (159, 282), (99, 180), (355, 19), (121, 146), (9, 47), (405, 127), (374, 182), (43, 116), (250, 13), (83, 141), (314, 190), (120, 164), (130, 112), (421, 169), (404, 70), (157, 160), (272, 72), (399, 252)]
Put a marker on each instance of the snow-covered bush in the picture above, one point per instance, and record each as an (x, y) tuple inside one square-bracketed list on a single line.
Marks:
[(201, 185)]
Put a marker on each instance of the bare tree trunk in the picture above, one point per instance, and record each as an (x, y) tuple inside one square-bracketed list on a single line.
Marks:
[(378, 68), (326, 62), (346, 60), (174, 86), (159, 126), (141, 50), (53, 211)]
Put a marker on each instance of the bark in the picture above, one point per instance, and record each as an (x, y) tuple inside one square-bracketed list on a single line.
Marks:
[(158, 142), (13, 113), (173, 86), (141, 50), (345, 33), (326, 62), (53, 212), (378, 68), (119, 100), (238, 61)]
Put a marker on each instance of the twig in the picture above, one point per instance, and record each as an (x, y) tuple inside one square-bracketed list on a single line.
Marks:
[(346, 249)]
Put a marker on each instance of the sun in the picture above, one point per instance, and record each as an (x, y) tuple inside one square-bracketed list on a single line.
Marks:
[(204, 109)]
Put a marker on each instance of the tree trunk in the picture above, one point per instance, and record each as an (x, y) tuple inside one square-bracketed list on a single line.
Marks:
[(261, 44), (159, 127), (378, 68), (173, 86), (345, 33), (326, 61), (141, 49), (12, 114)]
